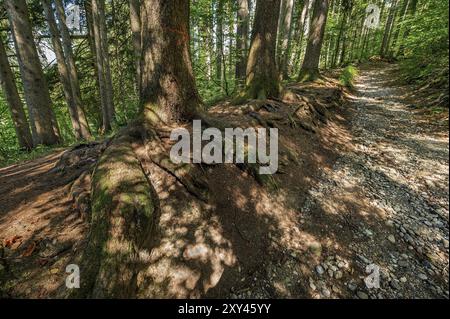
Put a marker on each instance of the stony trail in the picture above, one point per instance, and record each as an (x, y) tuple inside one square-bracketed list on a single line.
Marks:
[(390, 195)]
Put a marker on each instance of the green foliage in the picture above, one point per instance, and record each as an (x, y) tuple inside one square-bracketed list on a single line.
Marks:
[(426, 49), (348, 76)]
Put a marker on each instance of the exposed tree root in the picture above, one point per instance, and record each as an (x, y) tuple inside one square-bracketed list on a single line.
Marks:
[(123, 222)]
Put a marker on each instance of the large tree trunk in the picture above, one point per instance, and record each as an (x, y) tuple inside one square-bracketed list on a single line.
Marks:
[(169, 93), (285, 36), (73, 75), (243, 16), (262, 73), (15, 105), (44, 127), (135, 22), (99, 29), (310, 66)]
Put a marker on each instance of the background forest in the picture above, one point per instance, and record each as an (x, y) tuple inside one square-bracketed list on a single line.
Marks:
[(414, 32)]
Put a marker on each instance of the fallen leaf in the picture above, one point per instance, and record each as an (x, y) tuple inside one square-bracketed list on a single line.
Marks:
[(54, 270)]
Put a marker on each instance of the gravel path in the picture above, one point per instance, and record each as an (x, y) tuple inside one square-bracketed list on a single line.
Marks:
[(391, 194)]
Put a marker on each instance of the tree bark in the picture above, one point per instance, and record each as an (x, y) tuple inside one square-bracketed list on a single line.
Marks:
[(44, 127), (243, 16), (62, 68), (102, 64), (262, 74), (15, 105), (387, 31), (135, 22), (285, 36), (169, 93), (85, 132), (310, 66)]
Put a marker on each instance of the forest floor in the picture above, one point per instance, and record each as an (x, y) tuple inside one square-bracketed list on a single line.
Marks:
[(370, 187)]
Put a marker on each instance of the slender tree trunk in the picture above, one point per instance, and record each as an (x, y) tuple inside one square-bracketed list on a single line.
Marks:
[(285, 36), (262, 74), (62, 67), (242, 40), (135, 21), (106, 63), (169, 93), (105, 91), (301, 31), (44, 127), (387, 30), (219, 42), (396, 34), (73, 74), (15, 105), (310, 67), (410, 13)]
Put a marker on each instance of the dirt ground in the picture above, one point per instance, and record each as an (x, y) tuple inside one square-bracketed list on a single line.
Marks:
[(373, 168)]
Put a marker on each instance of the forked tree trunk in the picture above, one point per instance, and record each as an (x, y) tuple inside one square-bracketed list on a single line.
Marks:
[(15, 105), (262, 73), (73, 75), (310, 66), (169, 93), (44, 127)]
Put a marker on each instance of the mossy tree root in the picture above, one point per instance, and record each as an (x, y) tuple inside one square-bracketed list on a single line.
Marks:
[(124, 212)]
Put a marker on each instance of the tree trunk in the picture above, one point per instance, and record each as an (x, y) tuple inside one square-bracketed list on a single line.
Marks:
[(105, 96), (411, 13), (310, 66), (135, 22), (15, 105), (300, 31), (85, 132), (219, 43), (387, 31), (285, 36), (242, 40), (44, 127), (262, 74), (169, 93), (62, 68)]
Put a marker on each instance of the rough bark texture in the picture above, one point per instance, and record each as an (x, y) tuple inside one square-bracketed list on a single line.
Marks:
[(44, 127), (135, 22), (15, 105), (241, 40), (310, 66), (262, 74), (169, 93), (73, 75)]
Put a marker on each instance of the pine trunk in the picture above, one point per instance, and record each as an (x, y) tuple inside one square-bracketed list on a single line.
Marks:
[(44, 127), (262, 74), (15, 105), (310, 66), (85, 132), (169, 93)]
